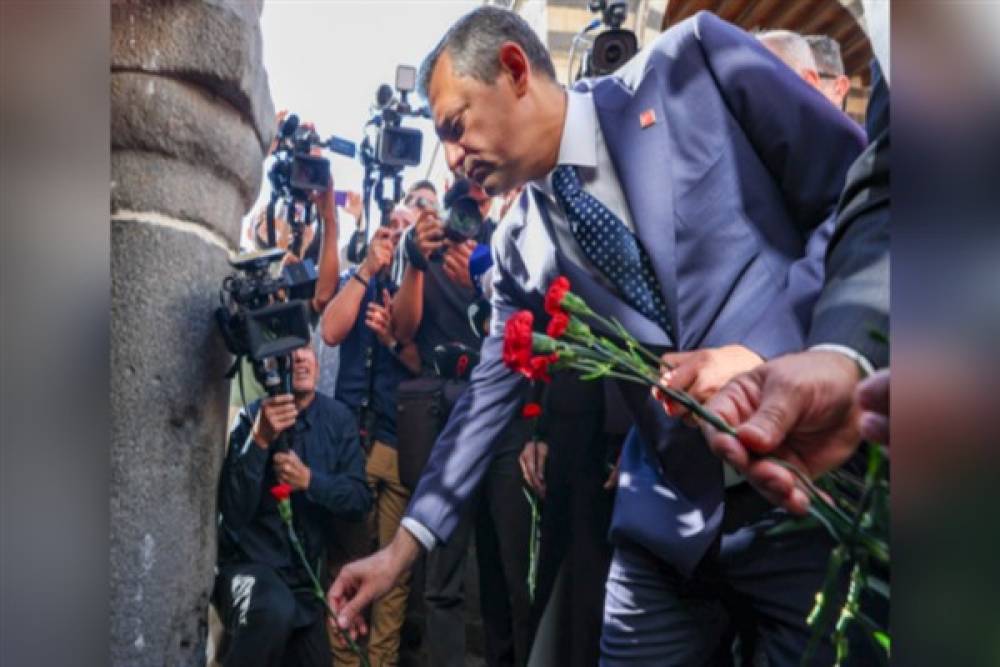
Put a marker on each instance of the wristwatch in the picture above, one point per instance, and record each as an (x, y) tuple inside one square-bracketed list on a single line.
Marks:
[(397, 348)]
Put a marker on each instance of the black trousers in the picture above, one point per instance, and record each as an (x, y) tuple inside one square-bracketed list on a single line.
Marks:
[(500, 517), (266, 624), (575, 553)]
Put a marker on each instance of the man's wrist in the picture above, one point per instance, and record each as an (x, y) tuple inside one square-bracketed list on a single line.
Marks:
[(260, 440), (418, 533), (865, 367)]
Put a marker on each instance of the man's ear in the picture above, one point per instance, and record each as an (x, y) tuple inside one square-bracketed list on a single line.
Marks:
[(514, 63)]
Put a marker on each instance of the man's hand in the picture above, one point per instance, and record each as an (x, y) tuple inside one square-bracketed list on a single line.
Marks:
[(379, 254), (290, 470), (276, 414), (701, 373), (363, 581), (532, 460), (428, 232), (456, 263), (611, 482), (800, 408), (353, 204), (325, 204), (379, 319)]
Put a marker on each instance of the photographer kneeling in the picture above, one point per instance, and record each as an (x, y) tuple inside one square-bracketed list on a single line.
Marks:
[(262, 591)]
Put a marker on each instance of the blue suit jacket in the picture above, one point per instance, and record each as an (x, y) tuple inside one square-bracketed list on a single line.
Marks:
[(732, 192)]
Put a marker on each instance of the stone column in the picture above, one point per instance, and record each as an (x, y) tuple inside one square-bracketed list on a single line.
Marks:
[(191, 116)]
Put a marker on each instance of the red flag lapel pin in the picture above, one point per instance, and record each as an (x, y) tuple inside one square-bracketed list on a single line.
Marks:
[(647, 118)]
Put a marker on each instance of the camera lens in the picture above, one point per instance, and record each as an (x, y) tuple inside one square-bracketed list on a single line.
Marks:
[(613, 54)]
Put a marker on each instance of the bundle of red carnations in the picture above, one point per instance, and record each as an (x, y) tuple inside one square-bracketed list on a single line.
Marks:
[(853, 509)]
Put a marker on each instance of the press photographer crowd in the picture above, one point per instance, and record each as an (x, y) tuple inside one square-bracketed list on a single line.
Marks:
[(685, 464)]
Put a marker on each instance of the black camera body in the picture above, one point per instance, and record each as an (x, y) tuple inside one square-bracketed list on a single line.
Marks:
[(461, 218), (295, 172), (614, 46), (398, 146), (265, 318)]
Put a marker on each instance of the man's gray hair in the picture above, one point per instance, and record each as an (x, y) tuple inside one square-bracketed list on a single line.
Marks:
[(826, 51), (474, 41), (790, 47)]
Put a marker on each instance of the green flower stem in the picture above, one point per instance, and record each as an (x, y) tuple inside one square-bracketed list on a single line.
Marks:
[(534, 543), (822, 612), (317, 587)]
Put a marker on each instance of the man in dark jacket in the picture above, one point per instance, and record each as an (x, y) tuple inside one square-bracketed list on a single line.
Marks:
[(262, 591)]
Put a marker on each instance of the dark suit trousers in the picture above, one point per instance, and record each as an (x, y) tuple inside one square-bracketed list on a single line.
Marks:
[(501, 519), (575, 553), (757, 587), (267, 625)]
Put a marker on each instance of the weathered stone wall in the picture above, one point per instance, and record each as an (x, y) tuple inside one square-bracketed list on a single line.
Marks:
[(190, 114)]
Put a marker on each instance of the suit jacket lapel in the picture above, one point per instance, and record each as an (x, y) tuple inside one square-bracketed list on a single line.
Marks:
[(595, 294), (642, 162)]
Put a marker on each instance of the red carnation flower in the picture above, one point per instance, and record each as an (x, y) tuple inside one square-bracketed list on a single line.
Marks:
[(538, 367), (281, 492), (557, 325), (517, 340), (531, 410), (554, 297)]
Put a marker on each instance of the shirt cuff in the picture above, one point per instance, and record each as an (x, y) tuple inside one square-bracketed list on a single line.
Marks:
[(866, 366), (419, 531)]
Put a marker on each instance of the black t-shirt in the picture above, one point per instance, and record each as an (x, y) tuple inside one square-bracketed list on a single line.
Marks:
[(446, 308)]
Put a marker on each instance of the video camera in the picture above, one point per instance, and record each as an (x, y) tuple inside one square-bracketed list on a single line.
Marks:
[(388, 148), (295, 173), (264, 317), (613, 47)]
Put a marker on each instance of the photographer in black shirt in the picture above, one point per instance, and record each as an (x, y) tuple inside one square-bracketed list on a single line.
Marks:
[(262, 592)]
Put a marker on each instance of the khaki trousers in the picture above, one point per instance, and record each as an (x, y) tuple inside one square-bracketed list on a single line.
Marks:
[(377, 531)]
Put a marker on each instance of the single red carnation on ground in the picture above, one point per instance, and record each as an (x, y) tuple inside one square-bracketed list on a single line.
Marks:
[(531, 410), (557, 325), (281, 491), (554, 297), (517, 340)]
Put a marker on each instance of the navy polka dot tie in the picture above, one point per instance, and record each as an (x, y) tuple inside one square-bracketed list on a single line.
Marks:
[(611, 247)]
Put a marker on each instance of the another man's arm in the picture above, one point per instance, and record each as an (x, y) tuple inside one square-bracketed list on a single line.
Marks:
[(342, 312), (408, 303), (329, 254)]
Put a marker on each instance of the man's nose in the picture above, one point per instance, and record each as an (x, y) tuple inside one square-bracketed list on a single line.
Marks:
[(454, 155)]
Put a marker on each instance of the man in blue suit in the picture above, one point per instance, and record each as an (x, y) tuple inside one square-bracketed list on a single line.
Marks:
[(689, 195)]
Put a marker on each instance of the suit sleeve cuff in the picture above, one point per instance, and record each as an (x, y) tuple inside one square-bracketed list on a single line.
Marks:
[(866, 366), (419, 531)]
